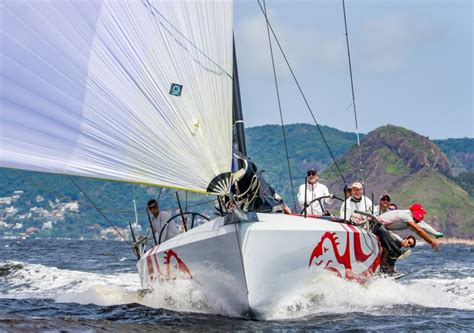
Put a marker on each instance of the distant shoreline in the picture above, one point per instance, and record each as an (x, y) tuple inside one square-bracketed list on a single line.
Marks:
[(449, 240), (454, 240)]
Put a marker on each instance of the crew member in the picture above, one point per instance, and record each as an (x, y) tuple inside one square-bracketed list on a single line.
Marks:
[(314, 190), (388, 263), (384, 203), (357, 201), (407, 219), (159, 222)]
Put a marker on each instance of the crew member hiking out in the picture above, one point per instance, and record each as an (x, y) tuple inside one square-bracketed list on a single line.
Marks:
[(407, 219), (388, 263)]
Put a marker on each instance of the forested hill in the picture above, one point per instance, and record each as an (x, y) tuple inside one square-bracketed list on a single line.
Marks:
[(307, 149), (412, 169), (52, 205)]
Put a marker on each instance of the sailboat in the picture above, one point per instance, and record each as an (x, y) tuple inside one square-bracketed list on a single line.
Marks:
[(147, 92)]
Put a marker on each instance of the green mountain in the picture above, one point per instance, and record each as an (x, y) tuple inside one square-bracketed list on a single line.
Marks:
[(412, 169), (306, 149), (45, 197), (460, 153)]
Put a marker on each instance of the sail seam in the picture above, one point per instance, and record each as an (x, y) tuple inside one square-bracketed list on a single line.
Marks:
[(154, 11)]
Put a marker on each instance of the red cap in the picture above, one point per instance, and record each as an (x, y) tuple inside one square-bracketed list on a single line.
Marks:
[(417, 211)]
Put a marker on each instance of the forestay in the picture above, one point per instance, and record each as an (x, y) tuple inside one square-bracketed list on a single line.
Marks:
[(137, 91)]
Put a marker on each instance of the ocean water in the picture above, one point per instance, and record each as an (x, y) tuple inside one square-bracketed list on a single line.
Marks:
[(92, 286)]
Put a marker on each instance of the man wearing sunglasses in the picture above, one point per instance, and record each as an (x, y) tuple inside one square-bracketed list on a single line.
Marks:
[(384, 203), (159, 222), (314, 190), (388, 263)]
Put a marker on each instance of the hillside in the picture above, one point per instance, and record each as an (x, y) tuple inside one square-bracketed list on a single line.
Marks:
[(306, 149), (411, 168), (41, 201), (460, 153), (47, 198)]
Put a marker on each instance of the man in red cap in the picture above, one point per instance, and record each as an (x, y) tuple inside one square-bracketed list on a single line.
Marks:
[(407, 219)]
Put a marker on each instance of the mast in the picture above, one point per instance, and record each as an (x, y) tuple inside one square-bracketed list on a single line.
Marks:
[(239, 145)]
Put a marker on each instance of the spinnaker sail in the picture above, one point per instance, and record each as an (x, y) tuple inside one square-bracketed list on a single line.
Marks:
[(137, 91)]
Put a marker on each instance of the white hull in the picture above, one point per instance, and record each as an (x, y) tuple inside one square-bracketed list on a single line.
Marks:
[(251, 266)]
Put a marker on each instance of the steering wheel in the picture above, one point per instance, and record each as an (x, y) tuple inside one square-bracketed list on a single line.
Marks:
[(186, 215), (319, 200)]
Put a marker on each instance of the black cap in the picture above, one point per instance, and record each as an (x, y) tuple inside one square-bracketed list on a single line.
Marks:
[(312, 170)]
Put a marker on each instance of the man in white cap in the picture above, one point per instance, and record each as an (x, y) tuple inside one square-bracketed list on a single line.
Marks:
[(357, 201), (314, 190)]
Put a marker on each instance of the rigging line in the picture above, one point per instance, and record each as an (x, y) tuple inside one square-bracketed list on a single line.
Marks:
[(353, 94), (159, 194), (302, 93), (57, 195), (155, 11), (135, 205), (279, 108), (97, 208)]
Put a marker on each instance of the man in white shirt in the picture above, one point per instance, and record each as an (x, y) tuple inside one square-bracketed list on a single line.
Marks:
[(356, 202), (382, 207), (159, 220), (314, 190)]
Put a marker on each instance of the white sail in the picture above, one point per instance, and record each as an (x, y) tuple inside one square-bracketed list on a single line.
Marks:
[(138, 91)]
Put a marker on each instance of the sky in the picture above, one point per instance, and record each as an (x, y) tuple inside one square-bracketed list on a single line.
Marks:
[(412, 64)]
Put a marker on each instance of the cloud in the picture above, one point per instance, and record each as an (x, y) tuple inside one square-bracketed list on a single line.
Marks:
[(253, 45), (386, 43), (382, 44), (303, 46)]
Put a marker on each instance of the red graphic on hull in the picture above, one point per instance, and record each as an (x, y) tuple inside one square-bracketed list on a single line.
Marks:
[(179, 265), (172, 264), (327, 252)]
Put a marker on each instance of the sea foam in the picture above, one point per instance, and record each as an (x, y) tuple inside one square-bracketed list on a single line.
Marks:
[(327, 293)]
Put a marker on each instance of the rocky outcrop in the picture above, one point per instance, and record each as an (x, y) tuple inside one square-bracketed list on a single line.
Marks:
[(412, 169), (417, 151)]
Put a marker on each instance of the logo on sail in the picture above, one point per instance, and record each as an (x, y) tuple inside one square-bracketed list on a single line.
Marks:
[(176, 89)]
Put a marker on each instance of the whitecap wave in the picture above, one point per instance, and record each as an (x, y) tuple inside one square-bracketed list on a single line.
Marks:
[(327, 294), (24, 280)]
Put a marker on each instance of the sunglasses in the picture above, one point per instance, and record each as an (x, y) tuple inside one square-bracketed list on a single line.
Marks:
[(385, 199), (311, 173)]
